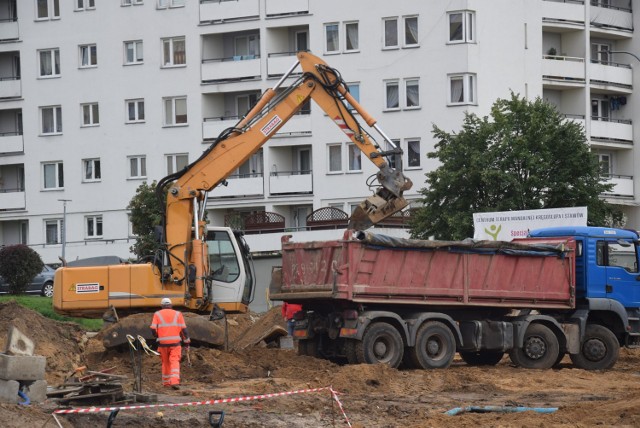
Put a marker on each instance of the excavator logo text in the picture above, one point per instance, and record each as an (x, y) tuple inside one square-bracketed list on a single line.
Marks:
[(271, 125), (85, 288)]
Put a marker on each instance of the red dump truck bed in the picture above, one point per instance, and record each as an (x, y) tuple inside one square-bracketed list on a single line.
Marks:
[(532, 273)]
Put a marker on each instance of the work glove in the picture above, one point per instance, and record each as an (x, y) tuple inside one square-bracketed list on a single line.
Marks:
[(186, 342)]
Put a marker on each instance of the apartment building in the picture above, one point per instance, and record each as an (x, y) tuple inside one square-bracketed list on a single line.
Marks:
[(98, 96)]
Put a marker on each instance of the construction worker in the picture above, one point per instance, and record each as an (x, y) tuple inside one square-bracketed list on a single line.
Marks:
[(288, 311), (170, 330)]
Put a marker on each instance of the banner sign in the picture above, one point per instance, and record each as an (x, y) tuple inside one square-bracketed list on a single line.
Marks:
[(508, 225)]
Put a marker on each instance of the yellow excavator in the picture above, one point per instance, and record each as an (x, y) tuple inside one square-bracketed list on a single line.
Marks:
[(205, 269)]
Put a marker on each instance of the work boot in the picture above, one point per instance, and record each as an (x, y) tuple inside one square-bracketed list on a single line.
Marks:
[(176, 387)]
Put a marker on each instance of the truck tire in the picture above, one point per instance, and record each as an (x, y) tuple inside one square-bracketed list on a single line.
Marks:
[(350, 351), (540, 348), (308, 347), (599, 350), (482, 358), (435, 346), (380, 344)]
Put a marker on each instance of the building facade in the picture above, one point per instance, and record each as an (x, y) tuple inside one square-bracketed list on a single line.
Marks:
[(98, 96)]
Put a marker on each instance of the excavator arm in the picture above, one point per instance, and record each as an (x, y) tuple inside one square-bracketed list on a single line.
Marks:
[(187, 189)]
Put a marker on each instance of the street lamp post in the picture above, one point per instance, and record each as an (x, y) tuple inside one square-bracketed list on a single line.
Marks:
[(64, 226)]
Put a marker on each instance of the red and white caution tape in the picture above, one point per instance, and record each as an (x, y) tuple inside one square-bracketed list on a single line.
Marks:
[(334, 395)]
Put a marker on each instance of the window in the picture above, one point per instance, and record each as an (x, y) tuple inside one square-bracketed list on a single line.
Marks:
[(51, 120), (354, 90), (94, 226), (85, 4), (355, 157), (52, 175), (600, 53), (47, 9), (90, 115), (335, 157), (604, 159), (53, 231), (600, 109), (412, 93), (462, 27), (332, 38), (88, 56), (137, 166), (176, 162), (175, 111), (394, 32), (91, 170), (49, 60), (392, 91), (462, 89), (135, 111), (413, 153), (133, 52), (163, 4), (246, 47), (351, 36), (173, 52), (392, 159), (131, 2)]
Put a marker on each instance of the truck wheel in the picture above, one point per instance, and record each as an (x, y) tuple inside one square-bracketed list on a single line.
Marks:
[(482, 358), (381, 344), (435, 346), (350, 351), (308, 347), (540, 348), (599, 350)]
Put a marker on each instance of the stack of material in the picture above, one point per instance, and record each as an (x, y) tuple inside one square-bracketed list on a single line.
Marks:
[(21, 372), (97, 387)]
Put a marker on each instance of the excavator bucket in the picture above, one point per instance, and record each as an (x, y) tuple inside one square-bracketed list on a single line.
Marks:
[(374, 209), (201, 330)]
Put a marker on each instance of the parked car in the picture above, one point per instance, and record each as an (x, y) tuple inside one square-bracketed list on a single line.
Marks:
[(42, 283)]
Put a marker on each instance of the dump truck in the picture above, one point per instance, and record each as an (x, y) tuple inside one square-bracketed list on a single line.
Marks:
[(371, 298)]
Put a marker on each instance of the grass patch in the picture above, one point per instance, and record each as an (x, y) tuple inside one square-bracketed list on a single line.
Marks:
[(44, 306)]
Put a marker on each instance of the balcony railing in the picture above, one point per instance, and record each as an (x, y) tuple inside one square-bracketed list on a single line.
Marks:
[(290, 182), (240, 185), (611, 129), (562, 12), (11, 142), (279, 63), (622, 184), (224, 10), (286, 7), (610, 73), (605, 15), (9, 29), (12, 199), (240, 67), (298, 125), (564, 68), (10, 87)]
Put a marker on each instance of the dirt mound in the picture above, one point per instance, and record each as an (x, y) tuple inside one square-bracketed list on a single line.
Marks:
[(63, 343)]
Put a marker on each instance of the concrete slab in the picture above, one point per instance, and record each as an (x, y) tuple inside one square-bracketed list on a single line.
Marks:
[(9, 391), (22, 367), (36, 390), (18, 343)]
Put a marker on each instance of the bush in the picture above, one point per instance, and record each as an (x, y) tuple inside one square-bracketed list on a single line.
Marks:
[(19, 264)]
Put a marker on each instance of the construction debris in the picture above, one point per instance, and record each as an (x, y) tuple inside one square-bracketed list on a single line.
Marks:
[(21, 372)]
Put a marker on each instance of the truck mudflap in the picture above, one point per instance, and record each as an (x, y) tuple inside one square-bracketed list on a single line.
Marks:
[(201, 330)]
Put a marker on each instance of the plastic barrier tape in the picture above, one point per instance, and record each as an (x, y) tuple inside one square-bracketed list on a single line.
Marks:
[(335, 397)]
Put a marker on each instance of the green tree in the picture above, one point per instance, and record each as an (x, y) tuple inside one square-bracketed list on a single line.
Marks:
[(525, 156), (19, 264), (146, 214)]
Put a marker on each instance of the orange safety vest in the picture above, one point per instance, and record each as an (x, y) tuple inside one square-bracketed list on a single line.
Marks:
[(168, 324)]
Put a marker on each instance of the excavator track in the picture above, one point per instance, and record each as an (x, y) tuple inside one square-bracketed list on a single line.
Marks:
[(202, 331)]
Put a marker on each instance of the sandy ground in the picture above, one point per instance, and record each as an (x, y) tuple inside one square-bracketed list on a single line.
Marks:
[(373, 396)]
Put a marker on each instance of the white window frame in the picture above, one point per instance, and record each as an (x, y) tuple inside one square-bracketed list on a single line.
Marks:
[(171, 41), (54, 56), (85, 5), (384, 33), (340, 158), (58, 170), (51, 5), (346, 36), (165, 4), (89, 115), (96, 223), (355, 150), (56, 117), (91, 170), (406, 143), (140, 162), (405, 87), (354, 93), (387, 84), (138, 52), (605, 158), (59, 225), (326, 39), (468, 26), (91, 57), (173, 159), (169, 108), (405, 44), (136, 102), (469, 89), (131, 2)]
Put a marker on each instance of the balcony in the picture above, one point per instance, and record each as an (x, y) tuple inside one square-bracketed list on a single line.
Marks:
[(11, 143), (577, 118), (9, 29), (241, 186), (610, 16), (12, 199), (562, 12), (611, 74), (219, 11), (10, 87), (275, 8), (298, 126), (612, 129), (622, 185), (290, 182), (241, 67), (279, 63), (563, 70), (213, 126)]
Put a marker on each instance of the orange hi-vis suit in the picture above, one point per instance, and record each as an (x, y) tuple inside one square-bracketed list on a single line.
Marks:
[(170, 329)]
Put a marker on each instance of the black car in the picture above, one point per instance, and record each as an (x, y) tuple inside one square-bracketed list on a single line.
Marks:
[(42, 283)]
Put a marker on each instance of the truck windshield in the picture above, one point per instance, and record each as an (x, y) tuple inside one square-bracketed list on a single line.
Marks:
[(223, 259)]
